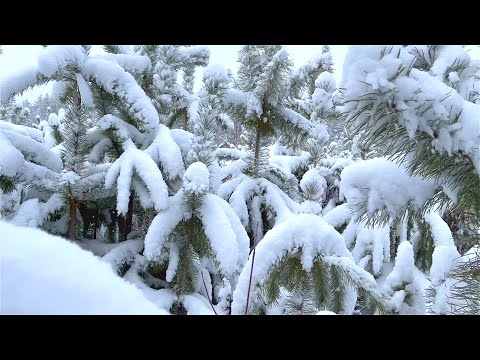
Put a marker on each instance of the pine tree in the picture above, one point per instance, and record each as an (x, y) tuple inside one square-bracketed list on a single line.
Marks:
[(198, 240), (419, 106), (76, 73), (260, 102), (289, 217)]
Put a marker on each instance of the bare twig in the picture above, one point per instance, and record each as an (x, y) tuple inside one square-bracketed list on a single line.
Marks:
[(250, 280), (206, 291)]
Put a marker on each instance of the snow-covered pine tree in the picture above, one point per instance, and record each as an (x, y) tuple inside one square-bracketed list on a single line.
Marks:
[(43, 106), (156, 68), (100, 83), (419, 105), (29, 172), (52, 128), (198, 242), (259, 102), (129, 134), (75, 128), (13, 111), (173, 100)]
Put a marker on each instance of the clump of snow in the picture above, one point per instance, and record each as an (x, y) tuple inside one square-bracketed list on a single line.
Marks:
[(11, 160), (165, 151), (58, 89), (195, 55), (316, 183), (339, 215), (215, 74), (32, 212), (162, 225), (326, 81), (34, 151), (196, 178), (402, 284), (288, 162), (325, 312), (17, 82), (122, 253), (235, 97), (69, 177), (298, 121), (445, 252), (122, 171), (53, 120), (35, 134), (372, 246), (320, 132), (446, 57), (195, 304), (226, 237), (381, 185), (122, 129), (85, 91), (183, 139), (45, 274), (310, 207), (173, 259), (98, 151), (57, 57), (135, 64)]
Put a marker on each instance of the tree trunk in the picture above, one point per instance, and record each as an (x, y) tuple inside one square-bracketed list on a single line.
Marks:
[(257, 145), (112, 225), (121, 228), (129, 218), (125, 221), (73, 219), (95, 221)]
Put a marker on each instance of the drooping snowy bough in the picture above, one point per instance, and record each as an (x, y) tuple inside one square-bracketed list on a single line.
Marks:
[(305, 254)]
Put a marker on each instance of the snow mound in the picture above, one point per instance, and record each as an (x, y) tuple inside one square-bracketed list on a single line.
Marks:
[(45, 274)]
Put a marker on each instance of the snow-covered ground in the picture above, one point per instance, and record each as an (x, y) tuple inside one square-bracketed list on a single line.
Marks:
[(45, 274)]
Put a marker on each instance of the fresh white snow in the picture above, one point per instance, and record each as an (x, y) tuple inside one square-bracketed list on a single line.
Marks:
[(45, 274)]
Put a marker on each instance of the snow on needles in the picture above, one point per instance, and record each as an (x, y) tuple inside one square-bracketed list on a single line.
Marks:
[(378, 184), (162, 225), (113, 78), (85, 91), (122, 171), (445, 252), (418, 100), (164, 150), (402, 285), (308, 232), (62, 278), (196, 178), (34, 151), (57, 57), (220, 232), (17, 82), (313, 179), (11, 160)]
